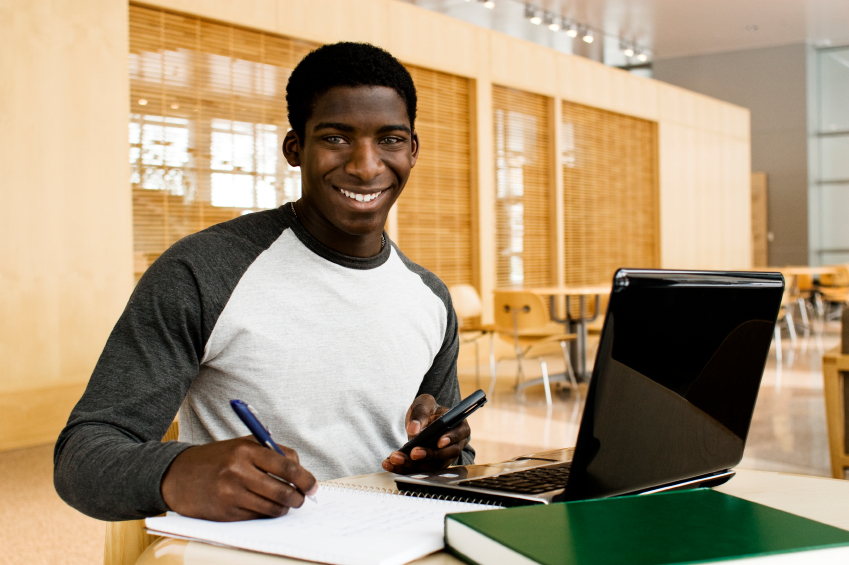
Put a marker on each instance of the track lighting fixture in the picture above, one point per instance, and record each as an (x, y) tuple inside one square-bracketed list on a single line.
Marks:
[(556, 22), (533, 15), (489, 4)]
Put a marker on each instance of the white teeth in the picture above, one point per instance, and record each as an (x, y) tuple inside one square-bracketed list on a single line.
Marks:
[(360, 197)]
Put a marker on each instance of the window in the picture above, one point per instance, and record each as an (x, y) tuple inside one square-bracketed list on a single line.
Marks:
[(610, 193), (435, 209), (522, 188), (830, 193), (207, 119)]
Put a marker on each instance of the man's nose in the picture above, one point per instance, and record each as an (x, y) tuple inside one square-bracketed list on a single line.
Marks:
[(364, 162)]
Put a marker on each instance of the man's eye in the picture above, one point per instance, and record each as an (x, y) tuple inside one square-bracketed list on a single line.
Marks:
[(334, 139), (392, 140)]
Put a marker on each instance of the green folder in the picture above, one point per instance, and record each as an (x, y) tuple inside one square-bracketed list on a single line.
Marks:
[(693, 526)]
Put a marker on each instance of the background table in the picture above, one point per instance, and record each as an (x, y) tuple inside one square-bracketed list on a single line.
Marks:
[(824, 500), (574, 324)]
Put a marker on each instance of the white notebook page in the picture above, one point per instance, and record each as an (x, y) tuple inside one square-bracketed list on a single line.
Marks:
[(346, 527)]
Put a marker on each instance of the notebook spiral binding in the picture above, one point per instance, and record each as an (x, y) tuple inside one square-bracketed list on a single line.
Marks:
[(392, 491)]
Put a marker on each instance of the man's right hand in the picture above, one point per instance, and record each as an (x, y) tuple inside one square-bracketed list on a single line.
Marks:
[(229, 480)]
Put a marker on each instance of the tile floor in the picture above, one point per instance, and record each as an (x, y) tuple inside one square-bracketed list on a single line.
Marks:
[(787, 434)]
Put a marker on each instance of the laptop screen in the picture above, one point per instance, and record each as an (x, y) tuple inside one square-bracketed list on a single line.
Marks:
[(676, 378)]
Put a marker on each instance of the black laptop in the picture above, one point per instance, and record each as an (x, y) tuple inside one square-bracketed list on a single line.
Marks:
[(670, 402)]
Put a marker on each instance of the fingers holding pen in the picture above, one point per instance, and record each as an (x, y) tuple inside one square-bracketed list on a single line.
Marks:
[(231, 480)]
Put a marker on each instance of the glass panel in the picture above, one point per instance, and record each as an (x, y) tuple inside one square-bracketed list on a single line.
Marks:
[(835, 216), (834, 158), (834, 90)]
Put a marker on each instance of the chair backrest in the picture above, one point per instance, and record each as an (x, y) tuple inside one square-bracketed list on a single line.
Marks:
[(466, 301), (126, 541), (837, 279), (524, 309)]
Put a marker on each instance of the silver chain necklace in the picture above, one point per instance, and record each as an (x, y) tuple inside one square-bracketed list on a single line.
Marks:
[(382, 239)]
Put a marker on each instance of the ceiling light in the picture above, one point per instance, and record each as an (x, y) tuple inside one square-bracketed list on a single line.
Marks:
[(142, 102), (489, 4), (588, 36), (642, 57), (534, 17), (572, 31), (552, 21), (175, 106), (627, 49)]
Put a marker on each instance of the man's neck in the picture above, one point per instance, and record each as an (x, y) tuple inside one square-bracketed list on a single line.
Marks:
[(353, 245)]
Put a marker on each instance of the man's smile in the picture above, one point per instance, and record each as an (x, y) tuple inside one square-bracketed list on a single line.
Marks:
[(360, 197)]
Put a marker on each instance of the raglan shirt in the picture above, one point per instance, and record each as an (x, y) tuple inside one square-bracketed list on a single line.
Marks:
[(329, 349)]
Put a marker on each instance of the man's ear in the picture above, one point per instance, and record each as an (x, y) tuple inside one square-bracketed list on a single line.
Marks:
[(415, 148), (292, 149)]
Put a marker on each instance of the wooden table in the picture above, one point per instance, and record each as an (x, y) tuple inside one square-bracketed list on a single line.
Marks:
[(833, 364), (824, 500), (804, 270), (576, 325)]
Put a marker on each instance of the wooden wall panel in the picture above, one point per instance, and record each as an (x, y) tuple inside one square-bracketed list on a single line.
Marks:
[(523, 65), (65, 231), (65, 227), (451, 43)]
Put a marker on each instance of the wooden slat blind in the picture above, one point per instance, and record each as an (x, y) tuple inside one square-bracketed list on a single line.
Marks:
[(522, 188), (610, 193), (435, 209), (207, 118)]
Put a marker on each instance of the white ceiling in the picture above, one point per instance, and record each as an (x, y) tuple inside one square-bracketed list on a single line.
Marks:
[(667, 28)]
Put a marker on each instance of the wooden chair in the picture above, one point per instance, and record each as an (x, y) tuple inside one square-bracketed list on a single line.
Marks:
[(468, 306), (126, 541), (785, 320), (835, 374), (523, 319), (834, 289)]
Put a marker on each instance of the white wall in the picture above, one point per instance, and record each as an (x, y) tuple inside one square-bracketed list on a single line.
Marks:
[(65, 216)]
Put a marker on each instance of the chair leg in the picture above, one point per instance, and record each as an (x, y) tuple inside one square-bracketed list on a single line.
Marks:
[(477, 364), (791, 329), (544, 366), (573, 382), (493, 371), (520, 371), (777, 343)]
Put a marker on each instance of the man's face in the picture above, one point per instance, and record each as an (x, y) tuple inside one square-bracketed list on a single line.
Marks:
[(355, 158)]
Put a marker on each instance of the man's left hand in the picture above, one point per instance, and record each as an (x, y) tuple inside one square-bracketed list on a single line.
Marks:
[(422, 412)]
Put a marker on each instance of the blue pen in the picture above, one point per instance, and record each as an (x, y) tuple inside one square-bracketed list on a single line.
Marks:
[(249, 417)]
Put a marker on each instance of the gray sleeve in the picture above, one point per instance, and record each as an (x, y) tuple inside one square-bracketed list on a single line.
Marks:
[(109, 460), (441, 380)]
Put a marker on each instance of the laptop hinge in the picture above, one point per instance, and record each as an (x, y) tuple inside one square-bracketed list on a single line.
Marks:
[(712, 480)]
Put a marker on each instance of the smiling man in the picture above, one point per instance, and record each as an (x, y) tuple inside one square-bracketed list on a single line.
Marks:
[(308, 312)]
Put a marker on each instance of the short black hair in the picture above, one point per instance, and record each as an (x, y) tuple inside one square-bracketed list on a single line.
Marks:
[(344, 64)]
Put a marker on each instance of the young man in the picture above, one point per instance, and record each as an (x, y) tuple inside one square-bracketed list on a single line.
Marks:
[(308, 312)]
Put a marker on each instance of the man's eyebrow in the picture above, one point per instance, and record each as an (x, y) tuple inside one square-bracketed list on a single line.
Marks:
[(333, 125), (388, 128)]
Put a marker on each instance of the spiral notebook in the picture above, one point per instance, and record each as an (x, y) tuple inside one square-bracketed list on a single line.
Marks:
[(350, 525)]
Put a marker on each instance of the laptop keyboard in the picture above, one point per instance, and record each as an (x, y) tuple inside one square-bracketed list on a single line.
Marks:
[(529, 481)]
